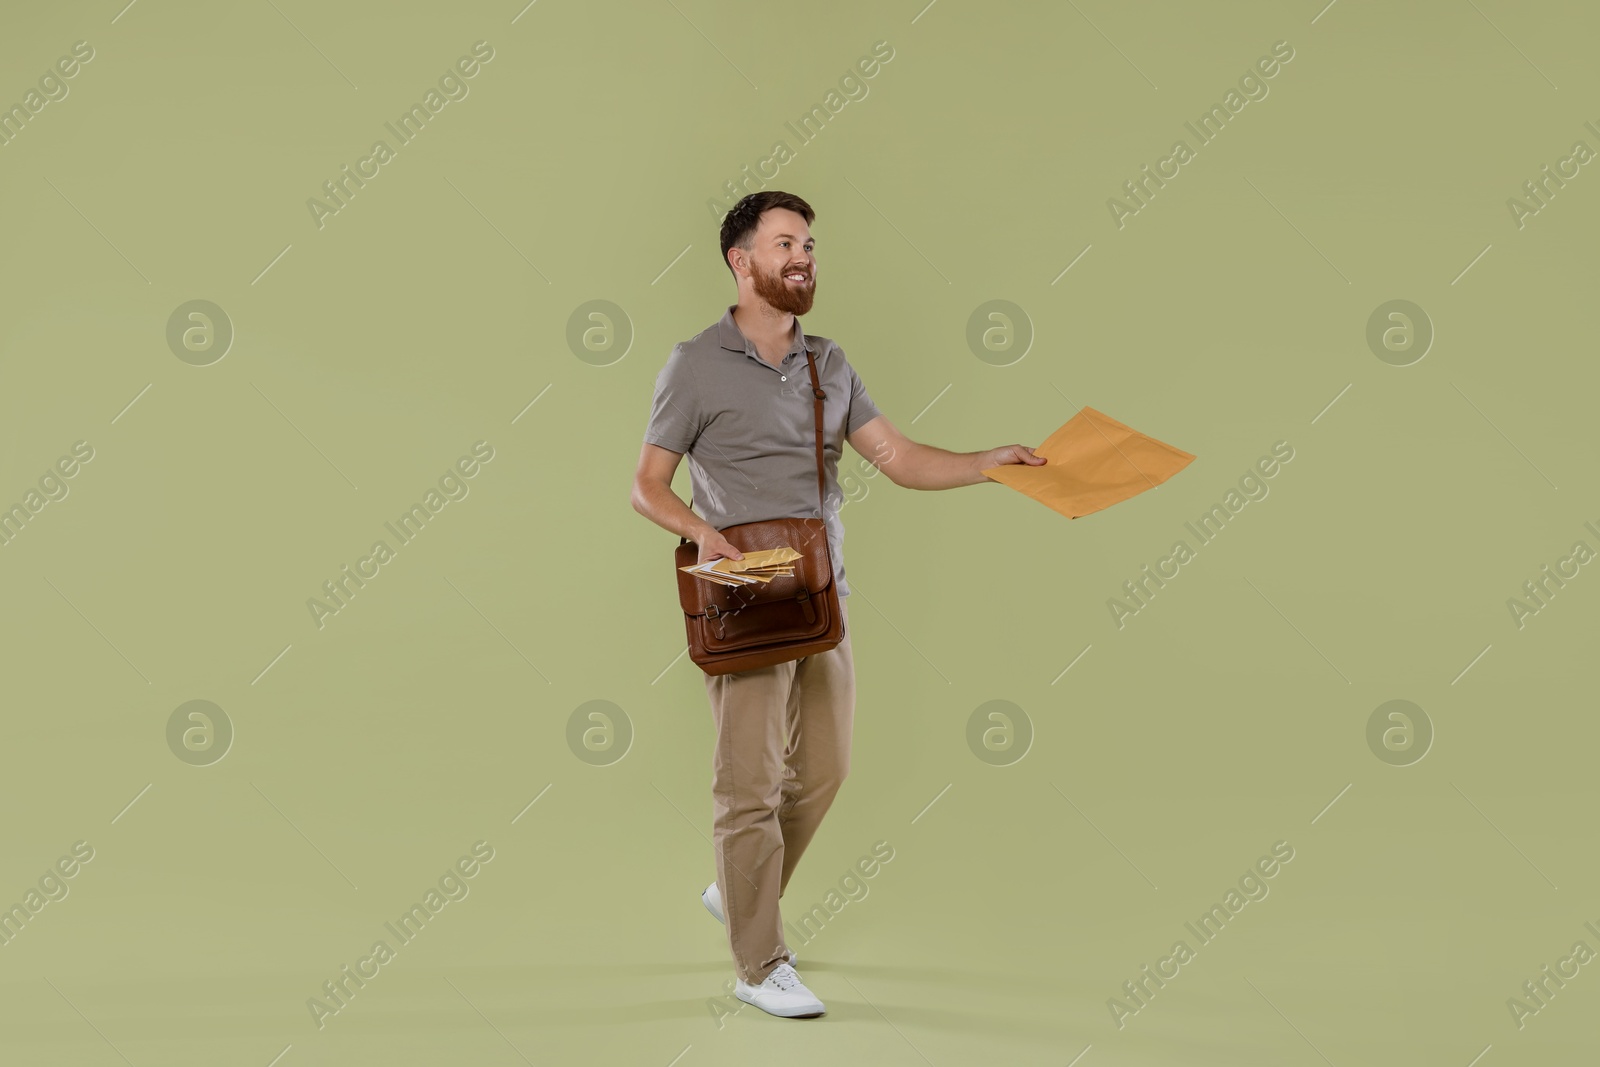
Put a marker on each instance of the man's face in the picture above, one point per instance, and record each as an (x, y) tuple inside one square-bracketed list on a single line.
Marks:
[(782, 250)]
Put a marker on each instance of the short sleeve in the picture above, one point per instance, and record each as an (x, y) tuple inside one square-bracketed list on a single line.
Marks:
[(675, 411), (862, 409)]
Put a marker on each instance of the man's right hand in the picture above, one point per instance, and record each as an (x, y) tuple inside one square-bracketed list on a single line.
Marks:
[(714, 546)]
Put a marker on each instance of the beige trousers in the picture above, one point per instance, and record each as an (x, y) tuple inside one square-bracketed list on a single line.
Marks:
[(783, 750)]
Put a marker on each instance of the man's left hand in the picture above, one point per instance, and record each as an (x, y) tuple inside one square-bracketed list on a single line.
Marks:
[(996, 457)]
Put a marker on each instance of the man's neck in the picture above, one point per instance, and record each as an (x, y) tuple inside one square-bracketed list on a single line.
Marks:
[(765, 326)]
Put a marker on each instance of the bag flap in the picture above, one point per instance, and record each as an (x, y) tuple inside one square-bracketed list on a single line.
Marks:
[(813, 571)]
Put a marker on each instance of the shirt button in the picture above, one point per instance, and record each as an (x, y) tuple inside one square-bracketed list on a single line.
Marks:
[(783, 377)]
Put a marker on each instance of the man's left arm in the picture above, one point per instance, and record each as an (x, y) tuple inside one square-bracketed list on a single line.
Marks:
[(913, 465)]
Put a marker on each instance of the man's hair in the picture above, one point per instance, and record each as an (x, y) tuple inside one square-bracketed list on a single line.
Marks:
[(739, 224)]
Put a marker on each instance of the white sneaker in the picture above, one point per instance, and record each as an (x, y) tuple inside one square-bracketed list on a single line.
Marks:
[(782, 994), (712, 899)]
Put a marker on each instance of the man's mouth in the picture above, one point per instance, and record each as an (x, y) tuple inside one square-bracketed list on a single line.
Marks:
[(796, 276)]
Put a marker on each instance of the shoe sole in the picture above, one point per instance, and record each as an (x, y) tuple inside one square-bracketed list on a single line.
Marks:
[(783, 1014)]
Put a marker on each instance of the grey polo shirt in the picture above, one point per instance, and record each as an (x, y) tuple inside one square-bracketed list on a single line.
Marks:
[(749, 428)]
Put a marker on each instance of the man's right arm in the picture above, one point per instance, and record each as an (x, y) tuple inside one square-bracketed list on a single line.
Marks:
[(653, 497), (675, 417)]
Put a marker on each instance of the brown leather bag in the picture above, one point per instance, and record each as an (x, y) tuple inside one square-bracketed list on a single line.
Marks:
[(741, 628)]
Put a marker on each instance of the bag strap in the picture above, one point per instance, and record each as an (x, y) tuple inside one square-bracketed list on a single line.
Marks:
[(818, 394)]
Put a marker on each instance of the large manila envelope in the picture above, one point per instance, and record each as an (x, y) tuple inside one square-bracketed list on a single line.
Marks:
[(1092, 462)]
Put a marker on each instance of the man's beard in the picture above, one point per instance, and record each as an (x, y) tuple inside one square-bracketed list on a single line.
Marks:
[(777, 291)]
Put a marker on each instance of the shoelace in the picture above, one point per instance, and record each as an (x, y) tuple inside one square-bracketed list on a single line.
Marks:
[(784, 977)]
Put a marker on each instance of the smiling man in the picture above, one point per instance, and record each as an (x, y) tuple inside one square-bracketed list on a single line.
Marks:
[(736, 398)]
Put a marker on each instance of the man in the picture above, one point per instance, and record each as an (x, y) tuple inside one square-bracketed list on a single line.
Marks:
[(737, 399)]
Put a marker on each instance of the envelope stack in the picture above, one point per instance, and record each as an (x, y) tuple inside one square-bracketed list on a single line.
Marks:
[(762, 566)]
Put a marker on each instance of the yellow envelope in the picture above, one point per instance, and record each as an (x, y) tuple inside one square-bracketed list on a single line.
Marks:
[(760, 566), (1092, 462), (766, 557), (710, 577)]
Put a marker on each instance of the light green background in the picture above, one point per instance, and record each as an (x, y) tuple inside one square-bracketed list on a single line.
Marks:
[(1226, 316)]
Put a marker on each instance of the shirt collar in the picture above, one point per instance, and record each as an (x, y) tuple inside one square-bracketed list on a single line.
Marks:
[(733, 339)]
